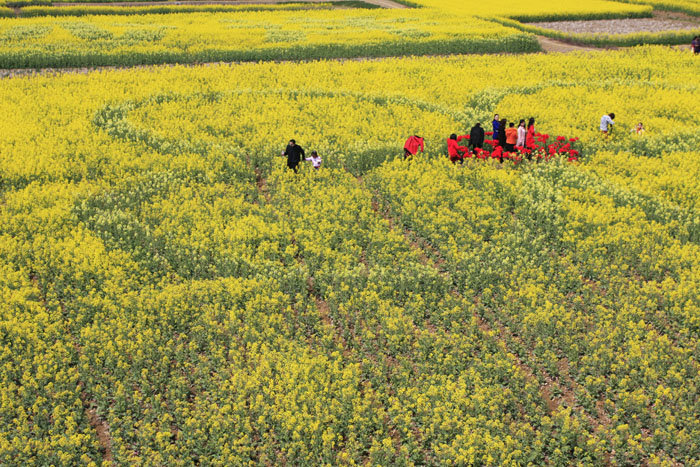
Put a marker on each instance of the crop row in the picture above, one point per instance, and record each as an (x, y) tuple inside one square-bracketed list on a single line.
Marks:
[(594, 281), (248, 36), (37, 11)]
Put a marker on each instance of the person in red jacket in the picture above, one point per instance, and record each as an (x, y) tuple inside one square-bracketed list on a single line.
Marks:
[(453, 149), (530, 136), (411, 147)]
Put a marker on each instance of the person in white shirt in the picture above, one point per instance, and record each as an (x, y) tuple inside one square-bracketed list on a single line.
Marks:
[(606, 123), (315, 159), (522, 131)]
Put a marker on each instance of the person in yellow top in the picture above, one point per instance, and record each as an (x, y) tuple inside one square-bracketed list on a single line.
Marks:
[(638, 129)]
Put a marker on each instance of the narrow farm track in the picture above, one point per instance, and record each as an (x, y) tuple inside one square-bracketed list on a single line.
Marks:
[(554, 46), (324, 313)]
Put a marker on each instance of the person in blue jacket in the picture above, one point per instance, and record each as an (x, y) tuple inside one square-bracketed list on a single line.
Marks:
[(496, 126)]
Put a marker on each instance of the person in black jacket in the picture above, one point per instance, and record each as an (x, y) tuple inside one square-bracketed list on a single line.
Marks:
[(476, 137), (502, 133), (295, 154)]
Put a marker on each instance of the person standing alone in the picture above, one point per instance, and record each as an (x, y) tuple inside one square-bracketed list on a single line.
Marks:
[(295, 154)]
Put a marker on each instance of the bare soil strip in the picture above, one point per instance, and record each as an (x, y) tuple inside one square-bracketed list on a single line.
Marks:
[(618, 26), (554, 46)]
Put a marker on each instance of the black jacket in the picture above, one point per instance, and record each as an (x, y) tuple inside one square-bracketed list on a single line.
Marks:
[(294, 155), (501, 136), (476, 137)]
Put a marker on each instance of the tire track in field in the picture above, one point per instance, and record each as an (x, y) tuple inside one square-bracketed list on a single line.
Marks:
[(324, 312)]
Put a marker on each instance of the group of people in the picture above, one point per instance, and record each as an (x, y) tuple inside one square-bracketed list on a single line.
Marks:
[(505, 134), (506, 137), (295, 154), (607, 122)]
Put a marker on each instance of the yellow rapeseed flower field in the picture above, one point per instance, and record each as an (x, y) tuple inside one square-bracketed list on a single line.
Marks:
[(172, 294)]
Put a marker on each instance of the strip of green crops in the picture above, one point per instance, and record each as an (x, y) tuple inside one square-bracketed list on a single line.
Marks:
[(35, 11), (690, 7), (527, 17)]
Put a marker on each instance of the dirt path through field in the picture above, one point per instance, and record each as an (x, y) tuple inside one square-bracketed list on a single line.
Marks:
[(553, 45)]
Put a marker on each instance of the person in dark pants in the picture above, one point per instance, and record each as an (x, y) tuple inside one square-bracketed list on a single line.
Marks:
[(501, 137), (295, 154), (476, 137)]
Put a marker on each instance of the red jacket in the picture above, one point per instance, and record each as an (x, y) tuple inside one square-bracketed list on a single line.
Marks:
[(413, 143), (530, 138), (453, 148)]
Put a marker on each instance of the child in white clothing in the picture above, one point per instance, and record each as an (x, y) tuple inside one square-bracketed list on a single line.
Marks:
[(315, 159)]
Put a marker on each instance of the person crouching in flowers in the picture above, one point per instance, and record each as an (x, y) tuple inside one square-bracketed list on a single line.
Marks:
[(294, 155), (453, 149), (638, 129), (315, 160), (606, 123), (413, 143)]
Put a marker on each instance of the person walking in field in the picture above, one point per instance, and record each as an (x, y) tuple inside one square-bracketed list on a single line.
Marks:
[(606, 123), (315, 160), (453, 149), (511, 137), (476, 137), (522, 131), (295, 154), (413, 143)]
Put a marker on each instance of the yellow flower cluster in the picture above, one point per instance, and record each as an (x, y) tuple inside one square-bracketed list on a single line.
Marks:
[(157, 264), (689, 6)]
